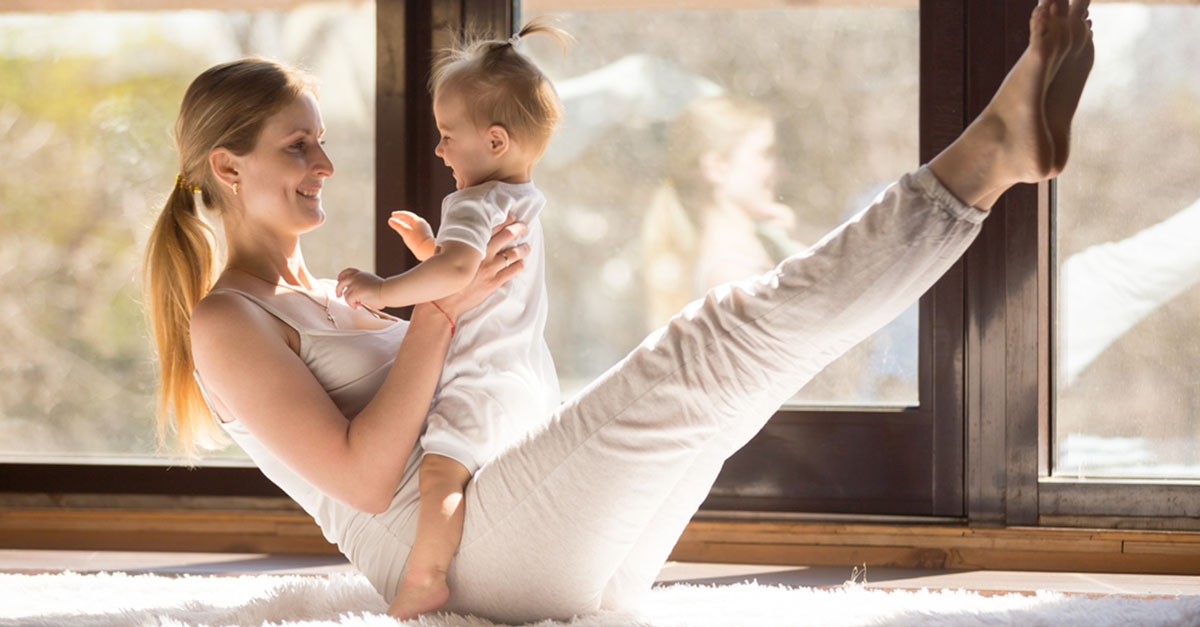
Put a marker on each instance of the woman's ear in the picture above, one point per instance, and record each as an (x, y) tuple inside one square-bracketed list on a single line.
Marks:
[(498, 140), (225, 165)]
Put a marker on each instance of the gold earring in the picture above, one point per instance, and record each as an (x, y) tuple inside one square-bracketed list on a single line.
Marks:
[(235, 189)]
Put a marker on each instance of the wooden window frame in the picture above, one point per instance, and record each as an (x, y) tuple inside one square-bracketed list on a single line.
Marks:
[(1009, 382), (990, 365)]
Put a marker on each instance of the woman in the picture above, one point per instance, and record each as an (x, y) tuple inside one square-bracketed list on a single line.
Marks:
[(581, 514)]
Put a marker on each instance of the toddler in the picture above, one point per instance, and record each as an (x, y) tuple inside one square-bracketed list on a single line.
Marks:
[(495, 111)]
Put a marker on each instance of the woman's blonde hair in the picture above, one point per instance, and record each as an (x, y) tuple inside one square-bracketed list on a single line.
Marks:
[(671, 229), (224, 107), (502, 85)]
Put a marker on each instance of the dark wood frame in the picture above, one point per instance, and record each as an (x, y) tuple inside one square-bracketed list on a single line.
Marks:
[(938, 421), (1007, 375), (985, 327)]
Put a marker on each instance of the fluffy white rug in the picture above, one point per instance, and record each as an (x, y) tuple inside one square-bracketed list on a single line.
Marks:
[(120, 599)]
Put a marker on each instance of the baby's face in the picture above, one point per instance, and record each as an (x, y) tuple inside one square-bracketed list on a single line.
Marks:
[(463, 147)]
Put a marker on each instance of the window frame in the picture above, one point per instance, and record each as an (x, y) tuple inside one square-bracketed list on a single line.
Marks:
[(988, 320), (1009, 287)]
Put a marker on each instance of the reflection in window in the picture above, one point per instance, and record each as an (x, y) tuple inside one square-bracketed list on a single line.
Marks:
[(1128, 223), (87, 103), (703, 146)]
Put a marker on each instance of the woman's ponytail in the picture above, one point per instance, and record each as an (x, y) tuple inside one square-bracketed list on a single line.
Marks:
[(180, 269)]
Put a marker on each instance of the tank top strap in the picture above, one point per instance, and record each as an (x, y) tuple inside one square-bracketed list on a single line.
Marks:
[(212, 409), (271, 309)]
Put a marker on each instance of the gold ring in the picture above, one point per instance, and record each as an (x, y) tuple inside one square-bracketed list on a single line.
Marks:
[(505, 255)]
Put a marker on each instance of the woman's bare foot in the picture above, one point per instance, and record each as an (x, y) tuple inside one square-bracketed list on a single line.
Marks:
[(1063, 97), (1014, 139), (421, 591)]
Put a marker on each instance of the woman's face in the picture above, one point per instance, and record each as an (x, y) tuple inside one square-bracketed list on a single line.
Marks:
[(280, 180)]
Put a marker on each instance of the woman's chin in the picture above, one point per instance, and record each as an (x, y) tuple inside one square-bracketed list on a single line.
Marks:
[(314, 219)]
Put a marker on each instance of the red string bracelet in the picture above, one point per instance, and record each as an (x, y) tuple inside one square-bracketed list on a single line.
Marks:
[(439, 308)]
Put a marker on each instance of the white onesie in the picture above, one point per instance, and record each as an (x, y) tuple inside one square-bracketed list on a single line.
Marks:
[(499, 382)]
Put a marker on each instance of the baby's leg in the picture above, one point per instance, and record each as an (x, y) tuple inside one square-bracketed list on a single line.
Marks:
[(439, 531)]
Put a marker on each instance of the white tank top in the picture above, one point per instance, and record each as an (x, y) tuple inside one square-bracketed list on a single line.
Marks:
[(351, 365)]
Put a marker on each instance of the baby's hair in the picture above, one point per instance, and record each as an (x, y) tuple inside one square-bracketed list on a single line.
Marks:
[(504, 86)]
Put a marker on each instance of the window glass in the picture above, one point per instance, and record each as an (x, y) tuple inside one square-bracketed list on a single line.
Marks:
[(87, 104), (703, 143), (1128, 257)]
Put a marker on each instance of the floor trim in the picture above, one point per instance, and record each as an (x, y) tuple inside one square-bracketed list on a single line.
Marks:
[(723, 541)]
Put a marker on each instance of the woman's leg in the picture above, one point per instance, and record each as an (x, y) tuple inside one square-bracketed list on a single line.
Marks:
[(633, 579), (551, 522)]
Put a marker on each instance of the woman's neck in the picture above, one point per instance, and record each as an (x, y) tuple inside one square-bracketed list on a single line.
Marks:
[(269, 258)]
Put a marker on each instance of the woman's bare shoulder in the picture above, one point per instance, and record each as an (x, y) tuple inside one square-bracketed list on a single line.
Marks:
[(228, 319), (220, 310)]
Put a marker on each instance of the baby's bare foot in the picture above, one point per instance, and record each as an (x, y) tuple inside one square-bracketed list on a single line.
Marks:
[(421, 591)]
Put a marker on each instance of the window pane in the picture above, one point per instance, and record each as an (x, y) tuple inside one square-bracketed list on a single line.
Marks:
[(1128, 223), (702, 146), (87, 103)]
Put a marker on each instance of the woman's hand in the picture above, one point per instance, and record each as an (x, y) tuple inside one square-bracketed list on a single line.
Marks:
[(500, 264)]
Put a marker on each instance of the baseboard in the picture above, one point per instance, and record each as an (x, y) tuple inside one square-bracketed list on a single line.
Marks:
[(942, 547), (739, 541), (183, 530)]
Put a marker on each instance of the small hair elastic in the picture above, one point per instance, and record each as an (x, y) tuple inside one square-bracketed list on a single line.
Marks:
[(182, 183), (512, 41)]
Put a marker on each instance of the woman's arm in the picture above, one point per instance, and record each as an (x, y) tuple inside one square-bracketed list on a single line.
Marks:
[(245, 361)]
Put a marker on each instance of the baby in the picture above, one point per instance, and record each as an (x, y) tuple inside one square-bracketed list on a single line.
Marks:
[(495, 111)]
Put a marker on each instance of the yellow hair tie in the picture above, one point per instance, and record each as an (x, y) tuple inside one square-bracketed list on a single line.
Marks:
[(182, 183)]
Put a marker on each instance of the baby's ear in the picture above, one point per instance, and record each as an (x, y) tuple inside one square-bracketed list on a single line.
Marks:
[(498, 140)]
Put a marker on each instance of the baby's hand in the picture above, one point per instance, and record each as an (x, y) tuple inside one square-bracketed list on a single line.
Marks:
[(360, 288), (415, 231)]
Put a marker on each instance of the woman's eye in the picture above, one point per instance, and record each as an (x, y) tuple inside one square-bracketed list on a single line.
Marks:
[(298, 145)]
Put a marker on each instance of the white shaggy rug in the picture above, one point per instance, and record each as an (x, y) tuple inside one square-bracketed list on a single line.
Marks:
[(344, 599)]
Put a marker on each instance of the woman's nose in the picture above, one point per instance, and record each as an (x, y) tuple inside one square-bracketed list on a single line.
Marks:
[(322, 166)]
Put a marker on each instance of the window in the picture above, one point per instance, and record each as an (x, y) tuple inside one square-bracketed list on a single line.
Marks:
[(87, 104), (1128, 261), (703, 144), (978, 446), (705, 141)]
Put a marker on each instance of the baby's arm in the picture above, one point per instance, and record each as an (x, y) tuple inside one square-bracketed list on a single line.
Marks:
[(447, 272), (416, 232), (467, 220)]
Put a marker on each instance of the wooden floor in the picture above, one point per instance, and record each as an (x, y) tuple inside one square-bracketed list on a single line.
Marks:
[(229, 564)]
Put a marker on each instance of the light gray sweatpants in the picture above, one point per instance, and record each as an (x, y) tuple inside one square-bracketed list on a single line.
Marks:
[(581, 515)]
